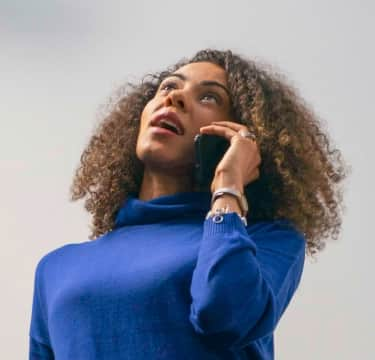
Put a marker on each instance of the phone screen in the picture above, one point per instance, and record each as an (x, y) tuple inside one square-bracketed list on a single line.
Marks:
[(209, 150)]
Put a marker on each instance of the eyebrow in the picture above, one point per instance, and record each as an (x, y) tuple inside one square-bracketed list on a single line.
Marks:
[(204, 82)]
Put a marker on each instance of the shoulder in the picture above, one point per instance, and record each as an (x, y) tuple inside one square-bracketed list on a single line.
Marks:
[(279, 236), (57, 256)]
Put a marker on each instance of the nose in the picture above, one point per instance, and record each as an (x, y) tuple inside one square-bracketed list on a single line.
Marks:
[(176, 98)]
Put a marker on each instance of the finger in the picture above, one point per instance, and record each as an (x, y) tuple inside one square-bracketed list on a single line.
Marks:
[(219, 130), (230, 124), (234, 126), (225, 132)]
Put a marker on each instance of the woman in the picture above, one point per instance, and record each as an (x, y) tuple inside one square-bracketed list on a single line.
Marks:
[(176, 270)]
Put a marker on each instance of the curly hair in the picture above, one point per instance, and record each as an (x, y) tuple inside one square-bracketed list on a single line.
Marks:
[(300, 172)]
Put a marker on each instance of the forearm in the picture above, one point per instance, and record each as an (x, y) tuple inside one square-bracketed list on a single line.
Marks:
[(239, 291), (222, 180)]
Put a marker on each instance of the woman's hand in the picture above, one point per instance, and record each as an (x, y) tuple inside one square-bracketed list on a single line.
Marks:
[(239, 165)]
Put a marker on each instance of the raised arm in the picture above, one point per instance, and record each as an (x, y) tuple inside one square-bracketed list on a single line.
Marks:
[(244, 279)]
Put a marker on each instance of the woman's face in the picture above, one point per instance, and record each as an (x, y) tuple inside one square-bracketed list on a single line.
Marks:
[(193, 96)]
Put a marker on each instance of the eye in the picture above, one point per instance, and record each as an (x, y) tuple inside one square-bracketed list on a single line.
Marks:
[(210, 97), (168, 86)]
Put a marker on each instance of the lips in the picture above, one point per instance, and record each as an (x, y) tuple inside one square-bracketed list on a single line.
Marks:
[(169, 117)]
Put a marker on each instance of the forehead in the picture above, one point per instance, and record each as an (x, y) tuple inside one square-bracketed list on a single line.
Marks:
[(203, 71)]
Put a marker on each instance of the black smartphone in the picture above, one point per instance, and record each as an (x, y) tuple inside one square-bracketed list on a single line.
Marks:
[(209, 150)]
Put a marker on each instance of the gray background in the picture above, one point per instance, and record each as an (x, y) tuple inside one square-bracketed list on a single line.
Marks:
[(61, 60)]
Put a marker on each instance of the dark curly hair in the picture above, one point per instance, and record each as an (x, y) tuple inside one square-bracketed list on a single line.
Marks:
[(300, 172)]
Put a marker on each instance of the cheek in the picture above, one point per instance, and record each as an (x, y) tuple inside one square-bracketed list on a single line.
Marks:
[(144, 122), (207, 116), (146, 116)]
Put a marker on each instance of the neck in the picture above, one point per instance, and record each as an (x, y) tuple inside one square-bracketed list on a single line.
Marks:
[(155, 184)]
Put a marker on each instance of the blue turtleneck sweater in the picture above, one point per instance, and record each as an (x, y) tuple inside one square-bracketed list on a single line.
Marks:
[(167, 284)]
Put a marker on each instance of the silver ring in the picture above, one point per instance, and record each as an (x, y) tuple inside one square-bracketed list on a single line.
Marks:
[(247, 134)]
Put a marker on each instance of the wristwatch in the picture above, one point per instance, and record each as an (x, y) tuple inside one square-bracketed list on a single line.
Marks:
[(239, 196)]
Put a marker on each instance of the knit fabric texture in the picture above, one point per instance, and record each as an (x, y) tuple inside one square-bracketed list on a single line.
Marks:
[(166, 283)]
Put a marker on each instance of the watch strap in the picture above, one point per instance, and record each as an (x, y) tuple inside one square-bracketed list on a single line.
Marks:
[(241, 198)]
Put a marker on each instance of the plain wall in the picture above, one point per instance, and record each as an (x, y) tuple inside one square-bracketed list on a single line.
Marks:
[(61, 60)]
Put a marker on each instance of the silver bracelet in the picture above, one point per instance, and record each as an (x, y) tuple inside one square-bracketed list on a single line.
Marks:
[(241, 199), (217, 215)]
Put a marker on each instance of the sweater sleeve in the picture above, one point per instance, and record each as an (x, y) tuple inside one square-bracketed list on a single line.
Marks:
[(39, 345), (244, 279)]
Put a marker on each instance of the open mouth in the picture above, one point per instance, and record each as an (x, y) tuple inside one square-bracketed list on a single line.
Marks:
[(162, 130), (168, 120), (165, 124)]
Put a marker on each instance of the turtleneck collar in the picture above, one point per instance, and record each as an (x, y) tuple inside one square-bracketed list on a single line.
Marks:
[(163, 208)]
